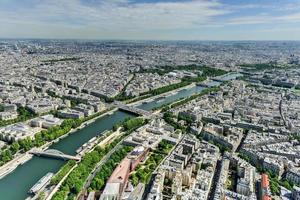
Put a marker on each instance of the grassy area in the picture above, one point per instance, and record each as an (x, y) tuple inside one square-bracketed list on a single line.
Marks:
[(296, 91), (164, 147), (143, 172), (265, 66)]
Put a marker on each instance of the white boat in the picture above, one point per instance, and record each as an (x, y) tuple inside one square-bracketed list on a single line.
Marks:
[(41, 183), (79, 150)]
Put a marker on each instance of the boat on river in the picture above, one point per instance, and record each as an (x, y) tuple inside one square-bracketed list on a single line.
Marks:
[(41, 183)]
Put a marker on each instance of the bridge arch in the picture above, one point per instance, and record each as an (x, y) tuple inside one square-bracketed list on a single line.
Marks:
[(56, 153), (53, 151)]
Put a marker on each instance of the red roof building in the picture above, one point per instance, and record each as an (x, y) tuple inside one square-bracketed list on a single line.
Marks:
[(265, 187), (119, 178)]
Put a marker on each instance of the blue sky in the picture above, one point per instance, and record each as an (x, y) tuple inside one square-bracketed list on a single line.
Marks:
[(151, 19)]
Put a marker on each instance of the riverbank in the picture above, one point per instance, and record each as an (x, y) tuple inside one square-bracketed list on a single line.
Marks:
[(10, 166), (209, 81), (164, 95), (56, 188)]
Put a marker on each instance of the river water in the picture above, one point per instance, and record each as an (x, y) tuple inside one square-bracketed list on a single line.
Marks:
[(16, 185)]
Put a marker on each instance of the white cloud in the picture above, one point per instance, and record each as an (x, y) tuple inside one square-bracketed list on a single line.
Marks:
[(124, 19), (116, 15), (265, 19)]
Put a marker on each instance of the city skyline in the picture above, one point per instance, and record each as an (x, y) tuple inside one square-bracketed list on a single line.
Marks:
[(150, 99), (151, 19)]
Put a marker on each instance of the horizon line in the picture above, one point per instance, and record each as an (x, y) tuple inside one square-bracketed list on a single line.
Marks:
[(153, 40)]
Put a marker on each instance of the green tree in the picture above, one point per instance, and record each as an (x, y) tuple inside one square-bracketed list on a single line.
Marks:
[(26, 144), (6, 155), (14, 147)]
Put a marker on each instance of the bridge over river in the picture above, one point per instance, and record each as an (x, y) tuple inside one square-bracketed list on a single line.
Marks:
[(53, 153), (133, 109)]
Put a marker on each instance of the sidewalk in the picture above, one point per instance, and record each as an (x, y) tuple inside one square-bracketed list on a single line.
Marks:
[(13, 164)]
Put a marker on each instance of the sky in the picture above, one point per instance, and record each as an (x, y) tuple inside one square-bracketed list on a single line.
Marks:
[(151, 19)]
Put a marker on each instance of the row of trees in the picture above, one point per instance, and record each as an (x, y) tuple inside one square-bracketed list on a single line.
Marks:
[(39, 139), (275, 182), (108, 167), (205, 72), (130, 123), (208, 71), (167, 88), (62, 172), (169, 118), (223, 148), (258, 66), (188, 99), (43, 137), (295, 137), (122, 95), (194, 79), (74, 182)]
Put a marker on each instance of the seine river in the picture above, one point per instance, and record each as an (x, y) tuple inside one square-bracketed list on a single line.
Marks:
[(16, 185)]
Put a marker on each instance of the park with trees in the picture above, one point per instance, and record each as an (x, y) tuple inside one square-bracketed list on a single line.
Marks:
[(144, 171)]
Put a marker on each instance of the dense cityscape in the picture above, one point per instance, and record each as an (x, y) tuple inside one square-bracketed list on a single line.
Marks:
[(135, 120)]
